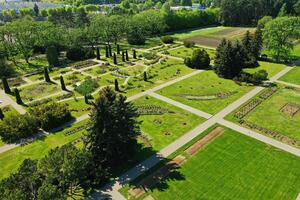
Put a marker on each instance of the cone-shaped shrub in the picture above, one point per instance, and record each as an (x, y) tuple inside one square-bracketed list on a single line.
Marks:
[(46, 75), (62, 83), (18, 97), (116, 85), (6, 86)]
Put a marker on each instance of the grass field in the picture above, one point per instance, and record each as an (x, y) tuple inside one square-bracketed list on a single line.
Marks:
[(163, 129), (271, 68), (233, 166), (292, 76), (201, 91), (268, 114), (10, 160)]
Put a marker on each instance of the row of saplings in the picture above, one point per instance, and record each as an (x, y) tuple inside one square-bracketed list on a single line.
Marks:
[(15, 127), (232, 58)]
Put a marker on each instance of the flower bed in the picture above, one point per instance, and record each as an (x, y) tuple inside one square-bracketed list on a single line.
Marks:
[(149, 109), (247, 108), (269, 92), (75, 130), (84, 64)]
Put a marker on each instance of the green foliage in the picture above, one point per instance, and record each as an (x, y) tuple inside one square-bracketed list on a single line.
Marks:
[(18, 97), (167, 39), (263, 21), (15, 127), (52, 56), (199, 60), (6, 86), (46, 75), (149, 55), (51, 115), (113, 130), (87, 87), (278, 35), (5, 69), (255, 78), (188, 44), (79, 53), (186, 2)]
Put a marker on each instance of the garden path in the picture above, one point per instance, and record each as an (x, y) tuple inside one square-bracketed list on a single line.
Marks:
[(8, 101)]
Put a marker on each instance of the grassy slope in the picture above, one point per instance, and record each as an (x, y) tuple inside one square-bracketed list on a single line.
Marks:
[(205, 83), (292, 76), (234, 166), (177, 123)]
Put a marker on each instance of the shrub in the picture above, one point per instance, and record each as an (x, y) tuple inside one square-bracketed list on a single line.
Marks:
[(199, 60), (149, 55), (87, 87), (255, 78), (78, 53), (188, 44), (51, 115), (167, 39), (15, 127), (52, 56)]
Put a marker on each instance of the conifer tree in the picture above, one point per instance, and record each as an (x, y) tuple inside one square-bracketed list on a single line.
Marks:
[(62, 83), (109, 50), (123, 56), (145, 76), (98, 53), (118, 49), (126, 53), (18, 97), (117, 85), (115, 59), (6, 86), (134, 53), (106, 52), (46, 75), (86, 99), (1, 114)]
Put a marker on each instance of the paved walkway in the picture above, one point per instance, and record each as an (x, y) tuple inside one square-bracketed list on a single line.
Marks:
[(8, 101), (298, 197), (288, 84), (111, 189)]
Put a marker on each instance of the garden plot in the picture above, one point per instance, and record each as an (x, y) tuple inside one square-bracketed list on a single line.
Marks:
[(97, 71), (292, 76), (78, 107), (184, 52), (11, 160), (38, 90), (276, 116), (271, 68), (73, 79), (162, 123), (14, 82), (159, 73), (206, 92), (232, 166), (52, 73)]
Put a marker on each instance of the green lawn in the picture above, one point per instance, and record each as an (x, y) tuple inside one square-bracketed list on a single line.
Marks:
[(202, 92), (11, 160), (268, 114), (163, 129), (292, 76), (184, 52), (78, 107), (233, 166), (271, 68)]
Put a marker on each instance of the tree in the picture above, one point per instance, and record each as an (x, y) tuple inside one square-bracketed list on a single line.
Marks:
[(263, 21), (145, 76), (6, 86), (199, 60), (6, 70), (109, 50), (15, 127), (229, 59), (113, 129), (117, 85), (1, 114), (123, 56), (118, 49), (115, 59), (46, 75), (134, 53), (106, 52), (18, 97), (62, 83), (23, 184), (52, 56), (126, 55), (186, 2), (98, 53), (51, 115), (257, 43), (36, 10), (277, 36), (86, 99)]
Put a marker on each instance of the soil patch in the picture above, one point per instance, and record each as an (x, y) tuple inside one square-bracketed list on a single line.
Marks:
[(199, 145), (156, 177), (206, 41)]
